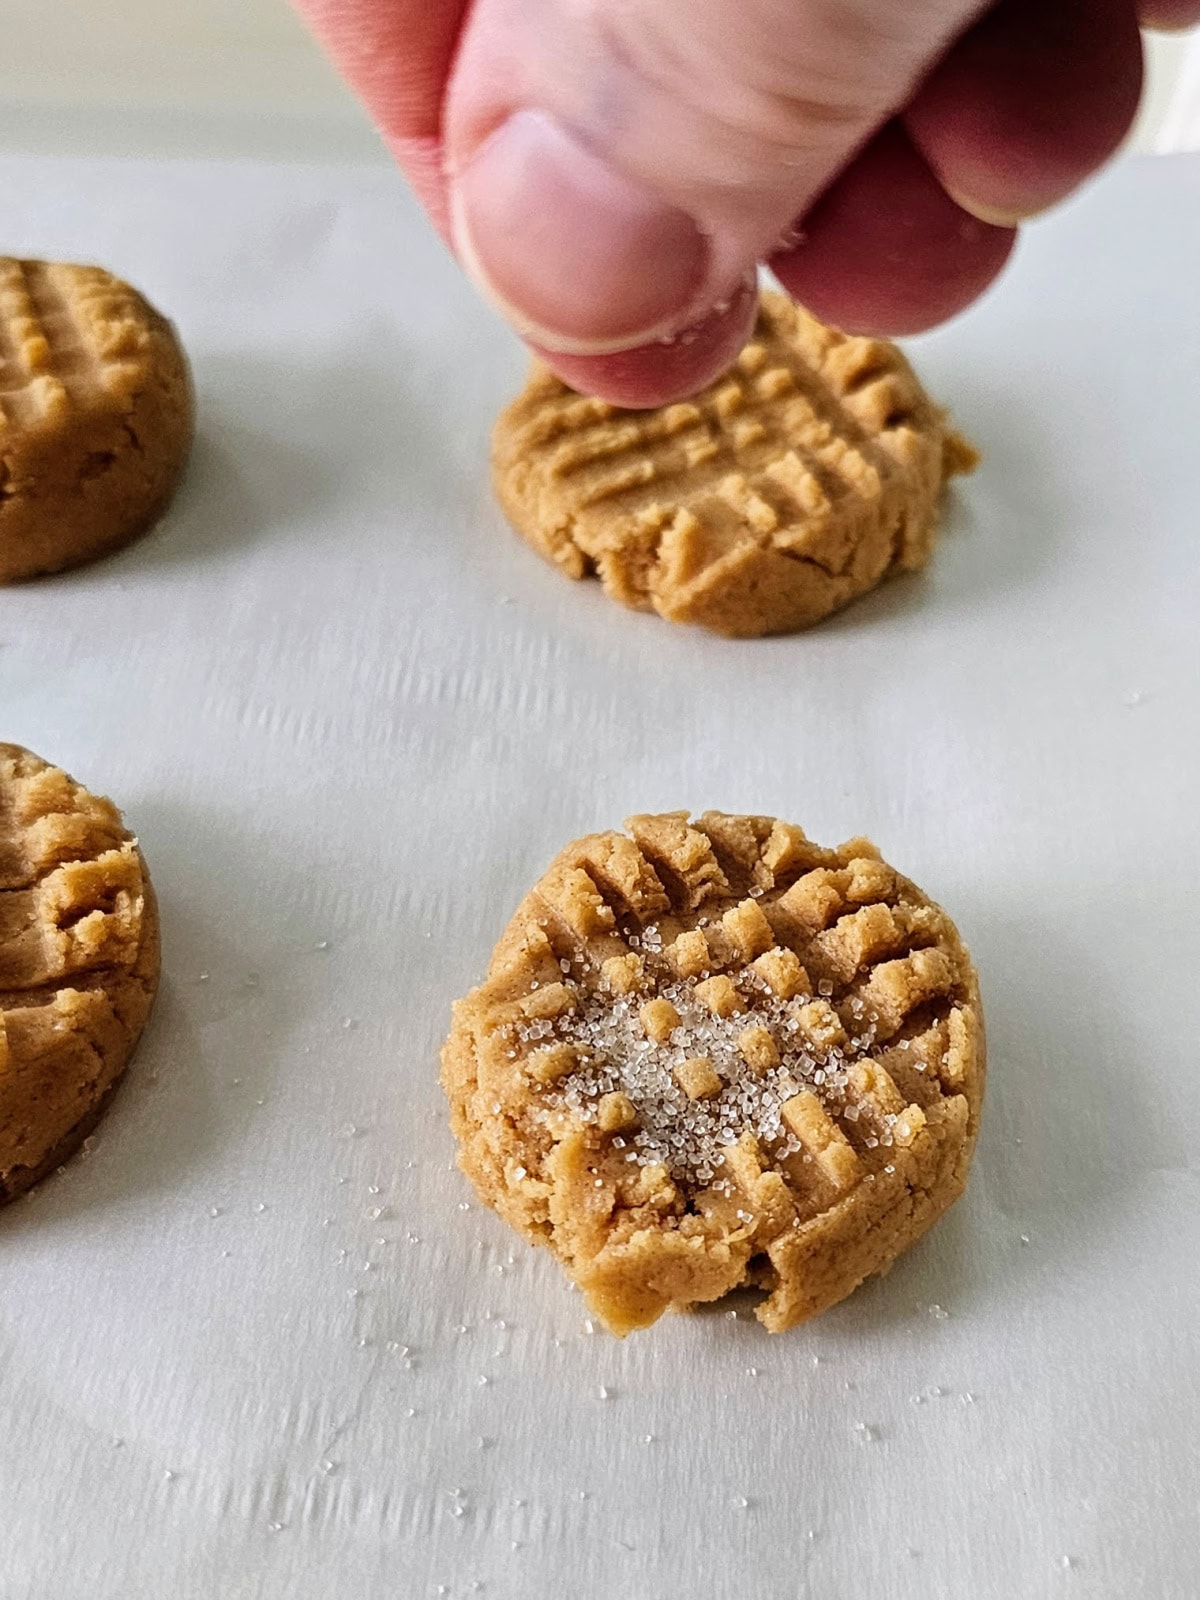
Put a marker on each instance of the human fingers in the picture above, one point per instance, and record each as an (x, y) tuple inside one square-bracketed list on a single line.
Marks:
[(396, 55), (885, 250), (618, 166), (1028, 103)]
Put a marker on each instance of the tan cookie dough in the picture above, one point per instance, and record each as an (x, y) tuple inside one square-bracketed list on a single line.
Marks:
[(710, 1054), (800, 479), (95, 415), (79, 962)]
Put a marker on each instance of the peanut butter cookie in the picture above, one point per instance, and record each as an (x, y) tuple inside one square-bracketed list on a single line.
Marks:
[(808, 473), (710, 1054), (78, 962), (95, 415)]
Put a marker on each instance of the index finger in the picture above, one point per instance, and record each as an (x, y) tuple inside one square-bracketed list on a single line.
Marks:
[(397, 55)]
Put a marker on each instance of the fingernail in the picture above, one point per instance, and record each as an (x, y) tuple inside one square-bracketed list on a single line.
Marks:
[(577, 256), (660, 373), (994, 216)]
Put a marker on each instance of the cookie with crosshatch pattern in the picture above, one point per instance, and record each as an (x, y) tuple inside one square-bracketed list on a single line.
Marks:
[(95, 415), (813, 469), (710, 1054), (79, 961)]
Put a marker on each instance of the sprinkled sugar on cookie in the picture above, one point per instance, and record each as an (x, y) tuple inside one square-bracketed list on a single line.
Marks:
[(712, 1053)]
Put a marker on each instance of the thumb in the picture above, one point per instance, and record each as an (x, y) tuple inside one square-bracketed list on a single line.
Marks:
[(617, 167)]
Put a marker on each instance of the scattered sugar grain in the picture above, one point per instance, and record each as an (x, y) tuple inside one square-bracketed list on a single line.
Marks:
[(690, 1136)]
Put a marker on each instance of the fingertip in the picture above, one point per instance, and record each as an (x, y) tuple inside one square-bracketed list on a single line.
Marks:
[(668, 370), (576, 255), (1030, 101), (886, 250)]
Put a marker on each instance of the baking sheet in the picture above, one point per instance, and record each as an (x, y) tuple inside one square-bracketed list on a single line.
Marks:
[(261, 1341)]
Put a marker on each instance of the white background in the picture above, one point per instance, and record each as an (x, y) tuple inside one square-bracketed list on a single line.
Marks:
[(352, 717)]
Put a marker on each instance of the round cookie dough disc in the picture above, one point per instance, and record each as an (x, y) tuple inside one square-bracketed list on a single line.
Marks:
[(712, 1054), (95, 415), (79, 961), (808, 473)]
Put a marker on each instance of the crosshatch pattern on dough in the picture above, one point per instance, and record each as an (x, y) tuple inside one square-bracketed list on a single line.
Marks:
[(810, 471), (711, 1054), (95, 414), (79, 961)]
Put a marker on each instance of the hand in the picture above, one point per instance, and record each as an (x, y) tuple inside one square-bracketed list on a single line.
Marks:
[(610, 172)]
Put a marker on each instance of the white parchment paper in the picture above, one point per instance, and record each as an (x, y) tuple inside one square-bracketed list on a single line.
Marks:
[(262, 1341)]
